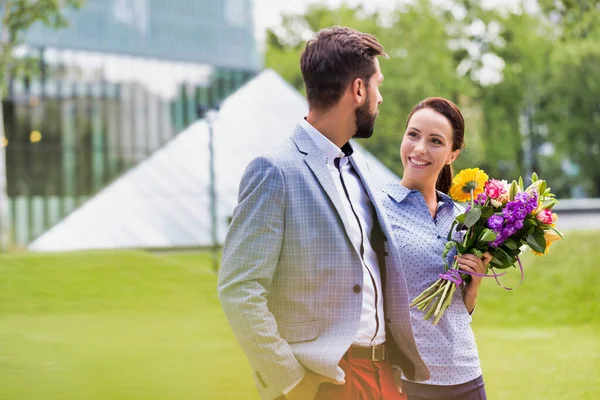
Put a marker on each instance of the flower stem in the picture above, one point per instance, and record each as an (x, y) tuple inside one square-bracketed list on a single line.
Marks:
[(443, 298), (445, 305), (430, 297), (472, 199), (426, 293)]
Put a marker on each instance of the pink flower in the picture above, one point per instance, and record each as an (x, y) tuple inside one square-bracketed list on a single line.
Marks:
[(495, 189), (545, 217)]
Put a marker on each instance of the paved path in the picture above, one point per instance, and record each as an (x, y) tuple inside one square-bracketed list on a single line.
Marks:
[(578, 221)]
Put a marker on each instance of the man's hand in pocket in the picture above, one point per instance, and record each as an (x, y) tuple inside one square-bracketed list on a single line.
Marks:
[(308, 387)]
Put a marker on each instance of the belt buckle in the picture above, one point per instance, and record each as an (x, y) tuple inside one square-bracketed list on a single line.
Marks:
[(374, 352)]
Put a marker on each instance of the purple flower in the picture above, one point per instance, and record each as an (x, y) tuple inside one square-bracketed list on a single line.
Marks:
[(518, 224), (532, 202), (508, 213), (509, 231), (521, 197), (481, 199), (499, 240), (495, 222), (520, 214)]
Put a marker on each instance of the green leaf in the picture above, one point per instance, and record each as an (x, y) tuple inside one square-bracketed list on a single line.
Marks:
[(477, 253), (534, 177), (505, 259), (558, 233), (473, 237), (510, 244), (447, 247), (497, 262), (487, 212), (461, 218), (542, 187), (514, 189), (521, 183), (536, 241), (472, 217), (451, 229), (487, 235), (550, 205), (501, 256)]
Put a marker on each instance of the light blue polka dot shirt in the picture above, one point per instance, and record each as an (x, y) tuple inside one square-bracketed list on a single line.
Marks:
[(449, 348)]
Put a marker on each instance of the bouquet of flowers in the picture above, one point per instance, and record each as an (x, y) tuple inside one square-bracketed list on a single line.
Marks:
[(500, 218)]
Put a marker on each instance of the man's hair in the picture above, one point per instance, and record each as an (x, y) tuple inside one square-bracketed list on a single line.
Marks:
[(334, 58)]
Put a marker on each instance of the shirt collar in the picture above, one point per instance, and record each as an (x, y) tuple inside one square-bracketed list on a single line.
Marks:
[(330, 150), (398, 192)]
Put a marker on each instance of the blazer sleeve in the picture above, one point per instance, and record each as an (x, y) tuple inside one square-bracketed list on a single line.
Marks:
[(250, 257)]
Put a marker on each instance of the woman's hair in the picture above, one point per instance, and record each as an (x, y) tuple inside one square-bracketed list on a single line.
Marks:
[(449, 110)]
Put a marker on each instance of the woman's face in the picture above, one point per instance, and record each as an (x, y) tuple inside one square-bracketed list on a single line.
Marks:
[(427, 145)]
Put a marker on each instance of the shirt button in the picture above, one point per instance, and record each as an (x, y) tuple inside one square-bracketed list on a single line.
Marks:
[(439, 237), (356, 289)]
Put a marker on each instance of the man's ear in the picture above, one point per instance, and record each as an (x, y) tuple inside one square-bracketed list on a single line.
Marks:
[(359, 91)]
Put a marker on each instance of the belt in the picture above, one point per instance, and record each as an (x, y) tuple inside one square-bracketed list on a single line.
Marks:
[(373, 353)]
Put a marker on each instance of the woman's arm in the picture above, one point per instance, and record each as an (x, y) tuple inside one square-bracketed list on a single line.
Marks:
[(471, 263)]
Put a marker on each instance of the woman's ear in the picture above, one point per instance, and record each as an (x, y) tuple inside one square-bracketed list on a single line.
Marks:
[(453, 156)]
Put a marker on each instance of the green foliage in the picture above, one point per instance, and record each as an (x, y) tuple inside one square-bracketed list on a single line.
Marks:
[(17, 16), (420, 63), (547, 94), (573, 111)]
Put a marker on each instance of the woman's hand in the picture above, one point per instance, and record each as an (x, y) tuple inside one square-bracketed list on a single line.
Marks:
[(471, 263)]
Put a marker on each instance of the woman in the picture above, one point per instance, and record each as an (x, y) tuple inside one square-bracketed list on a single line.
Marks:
[(421, 213)]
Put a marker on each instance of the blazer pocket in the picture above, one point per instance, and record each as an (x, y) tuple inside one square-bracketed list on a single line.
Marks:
[(304, 332)]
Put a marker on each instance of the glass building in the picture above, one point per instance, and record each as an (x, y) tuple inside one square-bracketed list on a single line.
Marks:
[(87, 103)]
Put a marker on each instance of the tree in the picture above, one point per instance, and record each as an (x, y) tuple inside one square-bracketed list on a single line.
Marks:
[(577, 19), (16, 17), (420, 65), (572, 114)]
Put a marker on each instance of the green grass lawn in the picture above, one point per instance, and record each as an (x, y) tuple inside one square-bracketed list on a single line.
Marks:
[(136, 325)]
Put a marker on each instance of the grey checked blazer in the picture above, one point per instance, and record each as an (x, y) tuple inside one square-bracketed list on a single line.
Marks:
[(289, 268)]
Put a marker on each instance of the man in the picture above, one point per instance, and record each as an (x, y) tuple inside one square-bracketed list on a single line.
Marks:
[(301, 275)]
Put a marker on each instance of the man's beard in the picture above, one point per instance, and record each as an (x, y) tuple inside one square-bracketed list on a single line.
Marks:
[(365, 121)]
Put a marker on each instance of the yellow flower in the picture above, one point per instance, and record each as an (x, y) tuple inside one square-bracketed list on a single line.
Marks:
[(467, 180), (550, 236)]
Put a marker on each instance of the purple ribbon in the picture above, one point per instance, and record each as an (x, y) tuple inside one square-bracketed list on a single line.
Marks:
[(522, 277), (453, 275)]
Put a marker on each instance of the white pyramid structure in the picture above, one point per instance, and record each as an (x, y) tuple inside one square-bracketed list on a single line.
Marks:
[(163, 202)]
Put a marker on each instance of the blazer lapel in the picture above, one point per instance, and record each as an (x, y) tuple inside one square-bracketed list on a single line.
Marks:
[(360, 167), (315, 161)]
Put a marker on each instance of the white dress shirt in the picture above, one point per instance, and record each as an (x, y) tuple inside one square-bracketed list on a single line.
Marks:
[(369, 331)]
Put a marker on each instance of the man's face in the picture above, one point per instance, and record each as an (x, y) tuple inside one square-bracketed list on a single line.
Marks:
[(367, 113)]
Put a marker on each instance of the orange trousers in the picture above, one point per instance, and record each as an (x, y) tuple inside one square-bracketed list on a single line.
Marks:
[(365, 380)]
